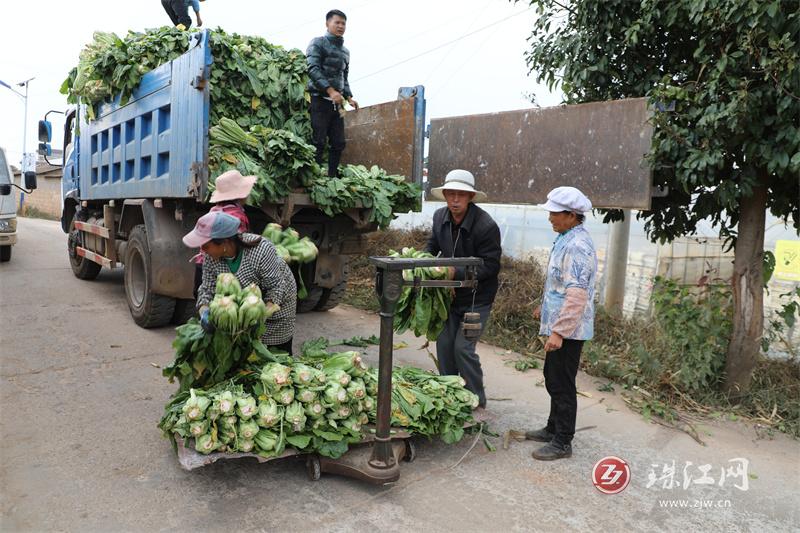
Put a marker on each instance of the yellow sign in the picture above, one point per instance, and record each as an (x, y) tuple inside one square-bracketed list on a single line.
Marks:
[(787, 260)]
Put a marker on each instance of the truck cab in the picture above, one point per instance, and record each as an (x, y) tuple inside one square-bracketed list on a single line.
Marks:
[(8, 209)]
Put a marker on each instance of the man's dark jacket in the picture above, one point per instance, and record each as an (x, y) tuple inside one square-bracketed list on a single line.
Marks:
[(328, 66), (478, 236)]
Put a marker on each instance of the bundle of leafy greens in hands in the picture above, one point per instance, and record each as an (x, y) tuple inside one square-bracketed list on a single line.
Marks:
[(424, 310), (238, 315)]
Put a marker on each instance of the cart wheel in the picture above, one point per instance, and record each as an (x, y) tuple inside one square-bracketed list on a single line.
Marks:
[(411, 452), (313, 469)]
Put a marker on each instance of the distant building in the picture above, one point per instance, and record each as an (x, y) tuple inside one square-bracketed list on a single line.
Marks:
[(45, 201)]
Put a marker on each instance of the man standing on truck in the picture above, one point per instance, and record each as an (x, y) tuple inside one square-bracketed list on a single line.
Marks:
[(178, 11), (462, 229), (328, 68), (195, 4)]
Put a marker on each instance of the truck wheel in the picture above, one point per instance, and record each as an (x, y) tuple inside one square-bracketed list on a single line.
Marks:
[(184, 310), (331, 297), (81, 267), (5, 254), (309, 303), (149, 310)]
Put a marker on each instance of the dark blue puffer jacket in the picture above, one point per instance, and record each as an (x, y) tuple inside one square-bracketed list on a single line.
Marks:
[(328, 66)]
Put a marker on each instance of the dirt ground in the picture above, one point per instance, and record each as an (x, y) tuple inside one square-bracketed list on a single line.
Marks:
[(81, 394)]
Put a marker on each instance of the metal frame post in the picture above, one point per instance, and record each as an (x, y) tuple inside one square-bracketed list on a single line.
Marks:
[(390, 287)]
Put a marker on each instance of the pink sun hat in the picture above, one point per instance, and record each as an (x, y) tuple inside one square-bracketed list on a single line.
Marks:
[(232, 186), (213, 225)]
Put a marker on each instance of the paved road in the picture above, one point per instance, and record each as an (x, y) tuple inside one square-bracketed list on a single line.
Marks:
[(80, 399)]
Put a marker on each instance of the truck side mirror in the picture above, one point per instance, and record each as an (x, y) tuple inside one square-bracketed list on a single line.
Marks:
[(5, 189), (45, 131), (30, 180), (45, 149)]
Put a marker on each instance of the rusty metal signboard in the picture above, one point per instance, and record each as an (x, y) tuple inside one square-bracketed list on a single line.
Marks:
[(517, 157), (388, 135)]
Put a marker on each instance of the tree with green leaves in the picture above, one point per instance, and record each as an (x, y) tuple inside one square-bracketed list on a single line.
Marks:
[(723, 77)]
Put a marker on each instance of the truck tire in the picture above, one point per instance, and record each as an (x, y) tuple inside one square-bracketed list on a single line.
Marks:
[(81, 267), (309, 303), (184, 310), (331, 297), (149, 310), (5, 254)]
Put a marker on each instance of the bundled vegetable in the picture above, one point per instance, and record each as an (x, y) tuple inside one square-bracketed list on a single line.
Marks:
[(429, 404), (358, 186), (294, 250), (289, 245), (279, 159), (318, 404), (239, 315), (424, 311)]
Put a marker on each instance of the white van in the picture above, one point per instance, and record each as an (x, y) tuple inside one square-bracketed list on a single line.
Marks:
[(8, 209)]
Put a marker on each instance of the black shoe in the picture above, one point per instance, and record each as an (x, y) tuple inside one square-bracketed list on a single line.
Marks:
[(539, 435), (552, 451)]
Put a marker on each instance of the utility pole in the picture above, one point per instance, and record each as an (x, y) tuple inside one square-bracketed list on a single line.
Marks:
[(28, 163), (617, 263), (25, 125)]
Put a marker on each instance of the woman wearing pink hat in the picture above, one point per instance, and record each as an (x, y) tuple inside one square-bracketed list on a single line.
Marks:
[(252, 259), (231, 191)]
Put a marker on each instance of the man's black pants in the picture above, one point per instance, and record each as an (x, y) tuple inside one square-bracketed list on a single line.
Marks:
[(457, 356), (178, 12), (560, 369), (327, 124)]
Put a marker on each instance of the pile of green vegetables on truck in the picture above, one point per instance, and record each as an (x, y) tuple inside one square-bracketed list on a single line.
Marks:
[(159, 114)]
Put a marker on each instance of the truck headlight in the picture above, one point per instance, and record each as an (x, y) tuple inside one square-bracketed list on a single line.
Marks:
[(8, 225)]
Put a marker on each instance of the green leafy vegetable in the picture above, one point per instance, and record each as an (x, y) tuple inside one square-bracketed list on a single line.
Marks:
[(424, 310)]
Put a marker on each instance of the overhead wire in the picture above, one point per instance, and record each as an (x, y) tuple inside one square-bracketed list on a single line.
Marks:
[(441, 86), (439, 47), (450, 49)]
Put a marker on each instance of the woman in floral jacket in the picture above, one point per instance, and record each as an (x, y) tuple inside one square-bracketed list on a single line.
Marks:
[(567, 317)]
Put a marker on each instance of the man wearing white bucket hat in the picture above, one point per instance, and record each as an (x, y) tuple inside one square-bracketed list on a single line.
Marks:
[(462, 229), (567, 317)]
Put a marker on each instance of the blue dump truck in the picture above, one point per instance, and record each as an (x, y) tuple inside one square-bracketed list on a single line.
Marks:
[(136, 177)]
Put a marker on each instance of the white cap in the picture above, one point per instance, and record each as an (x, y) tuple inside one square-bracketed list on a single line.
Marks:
[(458, 180), (567, 199)]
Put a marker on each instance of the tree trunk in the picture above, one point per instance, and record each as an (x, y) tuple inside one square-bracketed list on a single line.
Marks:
[(748, 294)]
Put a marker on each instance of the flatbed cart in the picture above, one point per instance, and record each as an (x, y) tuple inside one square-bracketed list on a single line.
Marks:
[(377, 458)]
